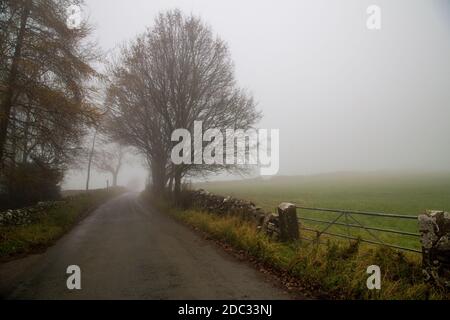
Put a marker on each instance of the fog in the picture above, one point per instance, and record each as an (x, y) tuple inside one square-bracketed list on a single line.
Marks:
[(345, 98)]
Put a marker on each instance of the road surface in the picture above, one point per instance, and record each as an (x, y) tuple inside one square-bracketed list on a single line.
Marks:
[(128, 251)]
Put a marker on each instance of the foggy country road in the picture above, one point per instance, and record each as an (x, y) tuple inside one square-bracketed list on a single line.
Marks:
[(128, 252)]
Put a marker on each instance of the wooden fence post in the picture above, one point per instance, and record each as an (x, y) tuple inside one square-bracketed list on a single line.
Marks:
[(288, 221)]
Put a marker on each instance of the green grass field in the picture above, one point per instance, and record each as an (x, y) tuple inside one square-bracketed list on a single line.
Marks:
[(409, 194)]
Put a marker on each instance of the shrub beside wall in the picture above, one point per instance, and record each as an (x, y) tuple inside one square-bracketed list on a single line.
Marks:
[(29, 183)]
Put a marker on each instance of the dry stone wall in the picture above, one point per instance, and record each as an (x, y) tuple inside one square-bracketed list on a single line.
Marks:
[(267, 222), (220, 205), (434, 227), (25, 216)]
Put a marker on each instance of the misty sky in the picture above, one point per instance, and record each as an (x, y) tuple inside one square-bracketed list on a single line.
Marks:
[(344, 98)]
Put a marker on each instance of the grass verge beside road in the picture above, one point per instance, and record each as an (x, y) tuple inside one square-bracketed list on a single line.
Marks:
[(18, 241), (336, 269)]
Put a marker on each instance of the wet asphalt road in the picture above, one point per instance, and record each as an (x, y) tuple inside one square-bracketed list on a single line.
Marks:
[(128, 251)]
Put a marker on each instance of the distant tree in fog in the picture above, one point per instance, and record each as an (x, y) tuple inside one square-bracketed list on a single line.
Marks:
[(110, 158)]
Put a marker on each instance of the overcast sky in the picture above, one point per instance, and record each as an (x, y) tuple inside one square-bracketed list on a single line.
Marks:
[(345, 98)]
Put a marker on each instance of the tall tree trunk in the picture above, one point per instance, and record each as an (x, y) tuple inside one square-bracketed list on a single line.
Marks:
[(158, 177), (91, 155), (25, 137), (13, 140), (170, 187), (114, 176), (6, 104), (177, 187)]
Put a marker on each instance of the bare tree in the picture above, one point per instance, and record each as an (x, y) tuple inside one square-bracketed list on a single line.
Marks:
[(174, 74)]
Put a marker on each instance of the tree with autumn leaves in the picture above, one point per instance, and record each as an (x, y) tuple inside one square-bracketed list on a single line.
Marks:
[(46, 92)]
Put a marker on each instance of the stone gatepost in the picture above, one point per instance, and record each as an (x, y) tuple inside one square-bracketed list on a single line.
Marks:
[(434, 227), (288, 221)]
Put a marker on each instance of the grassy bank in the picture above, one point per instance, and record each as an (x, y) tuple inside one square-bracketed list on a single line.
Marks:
[(16, 241), (338, 269)]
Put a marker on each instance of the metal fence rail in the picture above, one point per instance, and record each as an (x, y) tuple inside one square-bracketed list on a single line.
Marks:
[(355, 223)]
